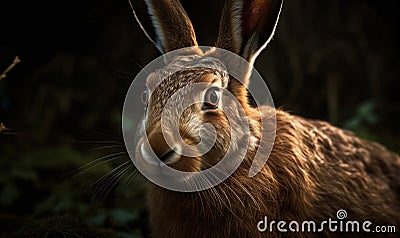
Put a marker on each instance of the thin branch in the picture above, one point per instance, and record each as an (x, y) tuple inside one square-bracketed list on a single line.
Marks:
[(4, 74)]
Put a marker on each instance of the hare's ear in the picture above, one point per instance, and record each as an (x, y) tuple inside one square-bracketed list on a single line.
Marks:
[(172, 28), (247, 26)]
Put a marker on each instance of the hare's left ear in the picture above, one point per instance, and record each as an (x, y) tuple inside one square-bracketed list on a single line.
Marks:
[(247, 26), (172, 28)]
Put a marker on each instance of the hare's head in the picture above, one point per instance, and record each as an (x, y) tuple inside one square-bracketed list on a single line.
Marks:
[(185, 127)]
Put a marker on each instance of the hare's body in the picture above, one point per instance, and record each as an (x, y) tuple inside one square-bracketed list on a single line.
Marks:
[(313, 170)]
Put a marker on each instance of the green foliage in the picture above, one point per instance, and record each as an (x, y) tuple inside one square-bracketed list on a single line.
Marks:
[(43, 182), (365, 116)]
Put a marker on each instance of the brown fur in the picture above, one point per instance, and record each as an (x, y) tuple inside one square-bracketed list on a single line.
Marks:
[(314, 170)]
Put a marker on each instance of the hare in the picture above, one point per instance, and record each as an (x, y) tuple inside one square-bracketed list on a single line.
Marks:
[(314, 169)]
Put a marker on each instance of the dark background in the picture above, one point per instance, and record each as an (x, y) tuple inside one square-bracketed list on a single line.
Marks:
[(331, 60)]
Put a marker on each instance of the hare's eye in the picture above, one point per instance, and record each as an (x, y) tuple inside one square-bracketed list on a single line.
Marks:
[(145, 97), (211, 98)]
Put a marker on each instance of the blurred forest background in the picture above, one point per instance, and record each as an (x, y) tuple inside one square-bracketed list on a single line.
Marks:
[(331, 60)]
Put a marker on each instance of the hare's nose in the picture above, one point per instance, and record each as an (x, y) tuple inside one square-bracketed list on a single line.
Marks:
[(158, 145)]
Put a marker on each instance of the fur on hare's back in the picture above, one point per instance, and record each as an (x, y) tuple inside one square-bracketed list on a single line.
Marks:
[(314, 170)]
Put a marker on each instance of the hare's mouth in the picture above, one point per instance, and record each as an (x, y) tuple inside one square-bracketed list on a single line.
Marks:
[(171, 156), (168, 157)]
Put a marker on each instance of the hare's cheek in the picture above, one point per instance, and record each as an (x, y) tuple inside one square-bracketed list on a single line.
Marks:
[(189, 129), (216, 154)]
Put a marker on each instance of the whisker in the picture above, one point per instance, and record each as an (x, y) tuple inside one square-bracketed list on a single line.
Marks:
[(237, 182), (136, 63), (96, 141), (106, 147), (199, 193), (110, 184), (122, 77), (101, 160), (127, 73), (96, 165), (132, 177), (110, 176), (110, 173)]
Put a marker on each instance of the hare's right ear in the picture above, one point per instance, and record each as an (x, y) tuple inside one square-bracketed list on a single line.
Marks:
[(247, 26), (172, 27)]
